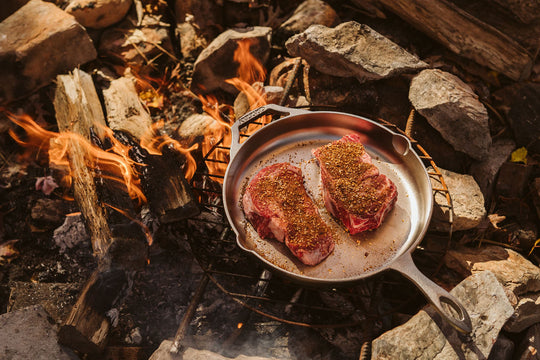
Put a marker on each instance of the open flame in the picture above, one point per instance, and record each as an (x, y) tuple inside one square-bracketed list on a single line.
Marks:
[(154, 143), (218, 134), (113, 163)]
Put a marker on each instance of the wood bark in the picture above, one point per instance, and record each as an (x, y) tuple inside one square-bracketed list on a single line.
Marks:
[(120, 249), (465, 35), (77, 110)]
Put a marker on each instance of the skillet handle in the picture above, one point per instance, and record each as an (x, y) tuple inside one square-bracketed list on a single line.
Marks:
[(255, 114), (441, 299)]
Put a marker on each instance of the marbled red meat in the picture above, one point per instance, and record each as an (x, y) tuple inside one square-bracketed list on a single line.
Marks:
[(276, 203), (353, 189)]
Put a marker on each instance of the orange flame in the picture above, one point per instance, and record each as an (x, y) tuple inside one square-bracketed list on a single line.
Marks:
[(250, 71), (155, 143), (115, 163)]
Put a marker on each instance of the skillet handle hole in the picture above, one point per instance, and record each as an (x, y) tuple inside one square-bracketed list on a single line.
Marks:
[(451, 308)]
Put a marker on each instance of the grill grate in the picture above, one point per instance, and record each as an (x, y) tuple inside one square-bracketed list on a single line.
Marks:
[(245, 280)]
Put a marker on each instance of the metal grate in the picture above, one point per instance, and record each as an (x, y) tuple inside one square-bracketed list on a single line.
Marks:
[(372, 300)]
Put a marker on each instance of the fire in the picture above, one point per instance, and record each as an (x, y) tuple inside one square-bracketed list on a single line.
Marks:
[(114, 163), (154, 144), (218, 134)]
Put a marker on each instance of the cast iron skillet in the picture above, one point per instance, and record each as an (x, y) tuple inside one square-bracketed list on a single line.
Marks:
[(355, 257)]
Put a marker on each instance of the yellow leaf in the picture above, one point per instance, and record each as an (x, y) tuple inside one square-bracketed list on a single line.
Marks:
[(519, 155)]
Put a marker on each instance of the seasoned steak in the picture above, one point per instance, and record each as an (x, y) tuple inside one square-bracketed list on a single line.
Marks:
[(278, 206), (353, 189)]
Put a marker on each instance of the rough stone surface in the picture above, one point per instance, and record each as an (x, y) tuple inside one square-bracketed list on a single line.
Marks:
[(467, 201), (453, 109), (163, 353), (427, 336), (30, 333), (310, 12), (352, 50), (56, 298), (517, 274), (527, 313), (134, 46), (191, 43), (485, 172), (216, 63), (37, 43), (72, 233), (98, 14)]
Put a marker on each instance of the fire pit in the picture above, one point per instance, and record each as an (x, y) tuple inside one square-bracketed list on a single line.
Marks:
[(113, 158)]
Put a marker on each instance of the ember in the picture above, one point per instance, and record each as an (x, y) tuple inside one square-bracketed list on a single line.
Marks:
[(115, 135)]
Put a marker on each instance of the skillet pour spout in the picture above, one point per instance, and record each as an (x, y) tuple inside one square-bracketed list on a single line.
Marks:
[(292, 139)]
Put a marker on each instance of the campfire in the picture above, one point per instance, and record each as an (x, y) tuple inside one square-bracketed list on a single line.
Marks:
[(119, 122)]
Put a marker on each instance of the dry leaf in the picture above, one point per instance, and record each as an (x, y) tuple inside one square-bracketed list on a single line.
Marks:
[(519, 155)]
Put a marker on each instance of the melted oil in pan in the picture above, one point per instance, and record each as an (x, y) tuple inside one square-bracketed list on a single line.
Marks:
[(354, 256)]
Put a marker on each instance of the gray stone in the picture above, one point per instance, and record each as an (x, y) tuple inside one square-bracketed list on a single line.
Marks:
[(164, 353), (135, 46), (191, 43), (216, 63), (485, 171), (467, 203), (30, 333), (310, 12), (453, 109), (72, 233), (517, 274), (352, 50), (98, 14), (527, 313), (427, 336), (37, 43)]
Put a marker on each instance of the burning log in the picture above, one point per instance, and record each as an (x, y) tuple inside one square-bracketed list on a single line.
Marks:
[(77, 110), (118, 247), (168, 193), (465, 35)]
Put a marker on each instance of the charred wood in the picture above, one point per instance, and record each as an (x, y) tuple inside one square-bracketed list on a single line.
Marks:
[(77, 110), (168, 194), (120, 248), (465, 35)]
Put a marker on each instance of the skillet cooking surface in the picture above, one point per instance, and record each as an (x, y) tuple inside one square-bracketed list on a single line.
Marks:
[(292, 139)]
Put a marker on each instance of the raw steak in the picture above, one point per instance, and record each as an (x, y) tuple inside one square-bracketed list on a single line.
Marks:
[(353, 189), (278, 206)]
